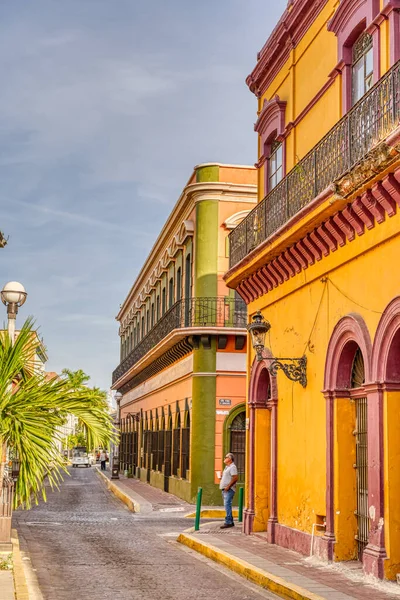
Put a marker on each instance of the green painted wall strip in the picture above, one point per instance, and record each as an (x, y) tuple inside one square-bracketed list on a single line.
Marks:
[(206, 255), (209, 173), (203, 419)]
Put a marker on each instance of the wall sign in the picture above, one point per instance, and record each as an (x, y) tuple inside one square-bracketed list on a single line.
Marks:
[(224, 402), (222, 412)]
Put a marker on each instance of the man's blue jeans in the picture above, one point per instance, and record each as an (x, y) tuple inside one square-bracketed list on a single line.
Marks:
[(228, 497)]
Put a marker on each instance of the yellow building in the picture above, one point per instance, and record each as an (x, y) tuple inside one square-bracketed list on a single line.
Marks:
[(318, 257)]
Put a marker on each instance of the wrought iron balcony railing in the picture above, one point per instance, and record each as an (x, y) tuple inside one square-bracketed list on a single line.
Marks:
[(369, 122), (189, 312)]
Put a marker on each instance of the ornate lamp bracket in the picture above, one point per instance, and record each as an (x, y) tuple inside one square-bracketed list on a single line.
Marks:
[(295, 369)]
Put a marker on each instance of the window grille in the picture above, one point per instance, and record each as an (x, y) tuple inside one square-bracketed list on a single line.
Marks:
[(176, 450), (160, 451), (185, 451), (361, 435), (167, 452), (238, 443)]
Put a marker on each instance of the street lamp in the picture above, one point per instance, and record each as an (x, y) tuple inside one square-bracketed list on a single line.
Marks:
[(13, 295), (115, 456), (295, 369)]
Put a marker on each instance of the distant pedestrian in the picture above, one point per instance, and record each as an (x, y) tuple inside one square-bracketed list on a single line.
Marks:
[(103, 458), (228, 487)]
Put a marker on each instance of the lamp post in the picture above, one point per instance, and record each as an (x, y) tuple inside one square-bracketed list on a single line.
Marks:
[(295, 369), (115, 455), (13, 295)]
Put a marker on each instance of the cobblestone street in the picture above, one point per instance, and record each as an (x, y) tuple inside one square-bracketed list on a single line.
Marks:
[(84, 544)]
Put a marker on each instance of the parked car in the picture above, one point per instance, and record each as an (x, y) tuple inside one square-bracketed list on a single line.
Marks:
[(80, 457)]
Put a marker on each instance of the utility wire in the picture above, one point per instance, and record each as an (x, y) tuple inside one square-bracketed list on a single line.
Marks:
[(378, 312), (316, 316)]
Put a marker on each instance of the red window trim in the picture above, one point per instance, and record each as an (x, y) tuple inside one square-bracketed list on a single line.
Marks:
[(270, 126)]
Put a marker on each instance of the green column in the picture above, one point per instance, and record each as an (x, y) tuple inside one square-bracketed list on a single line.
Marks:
[(203, 416), (206, 255), (204, 355)]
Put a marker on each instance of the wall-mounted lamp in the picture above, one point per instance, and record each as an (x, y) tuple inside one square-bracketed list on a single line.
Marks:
[(295, 369)]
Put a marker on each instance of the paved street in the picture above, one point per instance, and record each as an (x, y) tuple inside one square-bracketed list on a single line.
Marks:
[(84, 544)]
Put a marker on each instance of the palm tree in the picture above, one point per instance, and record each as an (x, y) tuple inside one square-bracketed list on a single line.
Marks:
[(32, 410), (76, 378)]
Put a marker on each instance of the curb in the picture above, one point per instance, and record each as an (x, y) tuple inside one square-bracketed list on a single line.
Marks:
[(127, 500), (212, 514), (20, 585), (273, 583)]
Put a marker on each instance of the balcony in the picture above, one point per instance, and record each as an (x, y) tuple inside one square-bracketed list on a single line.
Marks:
[(186, 315), (367, 124)]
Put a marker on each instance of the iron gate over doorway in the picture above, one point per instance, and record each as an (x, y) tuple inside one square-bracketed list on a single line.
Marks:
[(361, 435), (238, 443)]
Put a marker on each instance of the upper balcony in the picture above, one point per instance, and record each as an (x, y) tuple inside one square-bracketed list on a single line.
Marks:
[(189, 316), (367, 124)]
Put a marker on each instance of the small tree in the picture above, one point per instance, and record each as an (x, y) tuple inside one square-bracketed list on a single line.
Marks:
[(32, 411)]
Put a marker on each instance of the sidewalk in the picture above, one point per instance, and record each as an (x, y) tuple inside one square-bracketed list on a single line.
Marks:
[(142, 497), (13, 584), (282, 571)]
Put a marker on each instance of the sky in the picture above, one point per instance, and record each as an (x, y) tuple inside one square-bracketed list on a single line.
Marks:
[(105, 108)]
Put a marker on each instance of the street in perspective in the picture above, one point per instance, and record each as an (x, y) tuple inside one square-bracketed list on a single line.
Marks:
[(85, 543), (199, 362)]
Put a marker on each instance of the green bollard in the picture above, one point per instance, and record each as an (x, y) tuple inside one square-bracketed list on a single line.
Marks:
[(240, 516), (198, 509)]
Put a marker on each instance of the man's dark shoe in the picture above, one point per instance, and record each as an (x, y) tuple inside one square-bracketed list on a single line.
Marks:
[(227, 525)]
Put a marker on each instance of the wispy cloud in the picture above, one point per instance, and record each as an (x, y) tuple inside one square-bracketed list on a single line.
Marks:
[(84, 220), (103, 114)]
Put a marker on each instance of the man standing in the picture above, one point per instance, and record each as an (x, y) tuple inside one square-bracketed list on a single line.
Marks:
[(228, 487), (103, 458)]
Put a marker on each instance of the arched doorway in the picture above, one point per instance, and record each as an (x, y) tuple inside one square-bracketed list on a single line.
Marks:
[(261, 474), (347, 503)]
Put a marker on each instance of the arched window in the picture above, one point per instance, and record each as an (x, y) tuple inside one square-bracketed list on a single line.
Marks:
[(178, 284), (237, 442), (362, 74), (171, 298)]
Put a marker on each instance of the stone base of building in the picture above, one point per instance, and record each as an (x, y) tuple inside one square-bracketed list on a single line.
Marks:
[(373, 561), (248, 520)]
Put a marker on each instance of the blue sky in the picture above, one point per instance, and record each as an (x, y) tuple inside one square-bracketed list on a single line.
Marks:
[(105, 107)]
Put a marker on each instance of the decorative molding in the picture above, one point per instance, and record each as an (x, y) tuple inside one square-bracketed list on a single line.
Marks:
[(388, 327), (376, 161), (271, 118), (234, 220), (365, 212), (295, 21), (340, 353)]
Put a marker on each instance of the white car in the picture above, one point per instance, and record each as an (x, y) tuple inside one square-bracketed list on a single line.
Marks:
[(81, 459)]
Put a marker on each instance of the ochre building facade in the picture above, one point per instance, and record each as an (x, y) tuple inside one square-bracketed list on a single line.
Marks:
[(182, 373), (318, 257)]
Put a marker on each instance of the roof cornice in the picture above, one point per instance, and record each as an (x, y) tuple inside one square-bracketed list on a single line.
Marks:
[(191, 195), (291, 27)]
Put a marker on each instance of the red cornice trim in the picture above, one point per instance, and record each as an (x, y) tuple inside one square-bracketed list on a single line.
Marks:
[(346, 10), (290, 29), (368, 210)]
